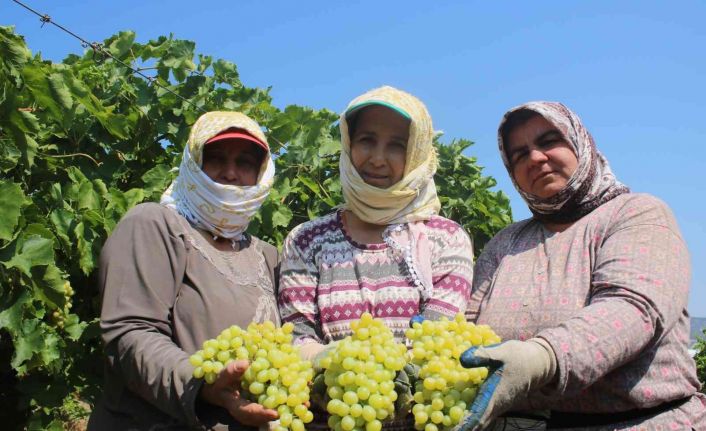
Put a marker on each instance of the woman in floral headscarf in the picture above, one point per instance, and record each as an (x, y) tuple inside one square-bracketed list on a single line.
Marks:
[(386, 251), (591, 291), (174, 274)]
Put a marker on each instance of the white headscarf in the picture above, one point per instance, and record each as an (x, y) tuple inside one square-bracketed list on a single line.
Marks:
[(223, 210)]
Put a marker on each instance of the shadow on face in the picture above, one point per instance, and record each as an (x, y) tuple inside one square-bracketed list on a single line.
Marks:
[(234, 162), (379, 137)]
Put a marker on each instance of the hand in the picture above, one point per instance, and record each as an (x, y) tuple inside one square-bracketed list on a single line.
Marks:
[(515, 369), (404, 386), (315, 352), (417, 318), (225, 392)]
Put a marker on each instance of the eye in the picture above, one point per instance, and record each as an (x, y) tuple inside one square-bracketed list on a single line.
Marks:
[(246, 161), (549, 142), (364, 138), (397, 147), (211, 157), (518, 156)]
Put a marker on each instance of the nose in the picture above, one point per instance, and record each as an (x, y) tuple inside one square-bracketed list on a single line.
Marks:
[(230, 173), (377, 157), (536, 155)]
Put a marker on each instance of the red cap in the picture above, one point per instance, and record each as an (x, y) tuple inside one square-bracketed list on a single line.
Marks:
[(238, 134)]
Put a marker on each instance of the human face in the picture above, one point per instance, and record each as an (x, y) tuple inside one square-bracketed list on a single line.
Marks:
[(541, 158), (379, 146), (232, 162)]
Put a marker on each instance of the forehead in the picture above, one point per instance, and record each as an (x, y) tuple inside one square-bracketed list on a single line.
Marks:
[(232, 145), (529, 131), (381, 116)]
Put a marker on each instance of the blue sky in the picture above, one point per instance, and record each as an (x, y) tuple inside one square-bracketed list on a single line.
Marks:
[(635, 71)]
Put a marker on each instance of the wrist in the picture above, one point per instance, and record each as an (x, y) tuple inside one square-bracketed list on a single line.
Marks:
[(548, 371)]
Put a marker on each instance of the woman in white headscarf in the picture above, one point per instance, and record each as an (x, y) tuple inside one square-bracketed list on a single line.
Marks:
[(174, 274), (386, 251)]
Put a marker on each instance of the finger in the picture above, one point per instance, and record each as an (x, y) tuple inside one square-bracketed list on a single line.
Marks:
[(417, 318), (478, 356), (252, 414), (234, 371), (480, 412)]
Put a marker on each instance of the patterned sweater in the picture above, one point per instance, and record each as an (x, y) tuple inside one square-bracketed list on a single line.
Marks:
[(328, 280), (609, 294)]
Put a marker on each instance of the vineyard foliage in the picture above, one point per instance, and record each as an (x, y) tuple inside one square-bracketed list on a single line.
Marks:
[(700, 358), (84, 140)]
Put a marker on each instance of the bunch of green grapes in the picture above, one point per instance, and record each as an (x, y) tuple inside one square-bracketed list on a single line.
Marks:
[(445, 388), (59, 315), (359, 376), (277, 377)]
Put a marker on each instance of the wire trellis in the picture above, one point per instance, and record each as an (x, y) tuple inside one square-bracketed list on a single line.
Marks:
[(99, 49)]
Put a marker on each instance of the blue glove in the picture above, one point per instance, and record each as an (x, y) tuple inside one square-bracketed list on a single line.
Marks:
[(417, 318), (515, 368)]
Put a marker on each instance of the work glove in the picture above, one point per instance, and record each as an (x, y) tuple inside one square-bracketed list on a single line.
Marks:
[(515, 368), (404, 386)]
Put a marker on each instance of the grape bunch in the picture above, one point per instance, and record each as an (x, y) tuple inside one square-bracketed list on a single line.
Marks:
[(277, 377), (59, 315), (359, 376), (445, 389)]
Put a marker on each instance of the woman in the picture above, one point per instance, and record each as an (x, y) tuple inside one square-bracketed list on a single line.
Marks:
[(174, 275), (592, 289), (386, 251)]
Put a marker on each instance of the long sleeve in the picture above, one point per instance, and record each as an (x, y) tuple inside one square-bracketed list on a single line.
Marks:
[(452, 269), (483, 273), (297, 292), (141, 267), (639, 287)]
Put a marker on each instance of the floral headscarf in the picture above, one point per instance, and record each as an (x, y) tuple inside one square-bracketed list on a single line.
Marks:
[(591, 185), (414, 197), (223, 210)]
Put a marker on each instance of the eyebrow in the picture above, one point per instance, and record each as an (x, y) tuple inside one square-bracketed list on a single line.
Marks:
[(370, 132), (547, 134), (512, 151)]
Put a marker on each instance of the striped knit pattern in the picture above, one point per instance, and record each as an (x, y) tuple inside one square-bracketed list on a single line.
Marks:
[(328, 280)]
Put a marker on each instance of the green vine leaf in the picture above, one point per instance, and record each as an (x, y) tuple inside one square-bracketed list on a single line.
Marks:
[(13, 199), (34, 251)]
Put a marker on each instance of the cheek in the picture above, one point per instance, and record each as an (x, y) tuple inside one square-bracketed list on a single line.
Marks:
[(250, 177), (520, 176), (398, 161), (358, 155), (210, 169)]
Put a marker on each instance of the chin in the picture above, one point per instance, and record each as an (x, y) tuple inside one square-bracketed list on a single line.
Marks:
[(378, 185), (381, 183)]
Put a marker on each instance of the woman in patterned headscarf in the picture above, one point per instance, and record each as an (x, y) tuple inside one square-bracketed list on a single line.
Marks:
[(175, 274), (386, 251), (592, 291)]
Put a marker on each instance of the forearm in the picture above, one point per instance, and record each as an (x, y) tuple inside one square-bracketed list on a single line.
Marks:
[(158, 371), (600, 338)]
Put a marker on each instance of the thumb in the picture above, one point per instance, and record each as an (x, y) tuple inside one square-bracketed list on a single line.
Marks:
[(480, 356), (234, 371), (417, 318)]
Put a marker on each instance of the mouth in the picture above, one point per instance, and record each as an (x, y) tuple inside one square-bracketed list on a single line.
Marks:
[(374, 179), (542, 175)]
